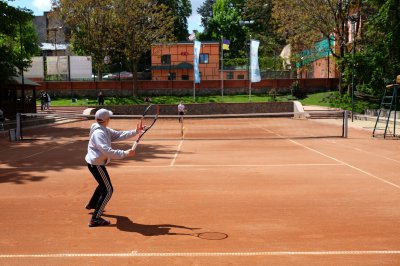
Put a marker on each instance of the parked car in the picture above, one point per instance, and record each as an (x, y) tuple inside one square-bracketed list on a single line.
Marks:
[(118, 75)]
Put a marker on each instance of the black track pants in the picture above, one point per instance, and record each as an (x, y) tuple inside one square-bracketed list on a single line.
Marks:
[(104, 190)]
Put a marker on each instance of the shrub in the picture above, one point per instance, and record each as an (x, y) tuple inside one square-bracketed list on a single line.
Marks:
[(296, 90)]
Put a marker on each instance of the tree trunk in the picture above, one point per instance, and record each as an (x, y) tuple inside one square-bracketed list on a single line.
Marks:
[(342, 51), (135, 81)]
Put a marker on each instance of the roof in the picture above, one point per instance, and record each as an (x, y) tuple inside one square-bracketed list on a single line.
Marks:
[(183, 65), (18, 80)]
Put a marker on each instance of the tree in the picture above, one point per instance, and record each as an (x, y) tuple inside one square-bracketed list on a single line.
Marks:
[(264, 29), (238, 20), (93, 27), (181, 10), (141, 23), (125, 29), (18, 40), (206, 12), (379, 57), (308, 21), (225, 21)]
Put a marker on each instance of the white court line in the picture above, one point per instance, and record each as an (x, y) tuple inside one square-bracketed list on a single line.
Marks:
[(9, 148), (367, 152), (349, 165), (176, 153), (12, 168), (45, 150), (377, 155), (337, 160), (257, 165), (206, 254)]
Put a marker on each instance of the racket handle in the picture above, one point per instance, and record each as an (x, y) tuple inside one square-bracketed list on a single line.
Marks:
[(134, 145)]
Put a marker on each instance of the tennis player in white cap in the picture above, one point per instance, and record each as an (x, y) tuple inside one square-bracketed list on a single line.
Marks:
[(99, 154)]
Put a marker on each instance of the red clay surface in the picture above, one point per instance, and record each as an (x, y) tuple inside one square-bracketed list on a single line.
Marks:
[(281, 194)]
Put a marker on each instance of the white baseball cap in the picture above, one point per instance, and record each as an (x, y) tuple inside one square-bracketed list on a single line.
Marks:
[(102, 115)]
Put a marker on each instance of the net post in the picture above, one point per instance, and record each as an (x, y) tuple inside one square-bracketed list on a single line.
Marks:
[(182, 127), (345, 124), (18, 130)]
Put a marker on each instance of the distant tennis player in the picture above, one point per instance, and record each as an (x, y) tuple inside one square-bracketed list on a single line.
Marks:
[(181, 111), (99, 154)]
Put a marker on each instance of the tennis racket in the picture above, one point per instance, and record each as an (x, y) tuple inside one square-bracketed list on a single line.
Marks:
[(147, 121)]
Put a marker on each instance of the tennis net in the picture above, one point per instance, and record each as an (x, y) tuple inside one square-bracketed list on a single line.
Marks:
[(317, 124)]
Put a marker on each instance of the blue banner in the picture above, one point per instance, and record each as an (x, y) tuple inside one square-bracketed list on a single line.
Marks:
[(254, 67), (197, 46)]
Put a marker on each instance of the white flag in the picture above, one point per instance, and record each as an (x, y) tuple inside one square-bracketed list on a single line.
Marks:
[(197, 46), (254, 68)]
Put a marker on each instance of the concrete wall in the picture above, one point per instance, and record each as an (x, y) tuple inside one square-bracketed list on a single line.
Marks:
[(206, 108)]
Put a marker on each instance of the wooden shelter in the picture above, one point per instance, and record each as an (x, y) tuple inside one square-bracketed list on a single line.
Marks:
[(18, 95)]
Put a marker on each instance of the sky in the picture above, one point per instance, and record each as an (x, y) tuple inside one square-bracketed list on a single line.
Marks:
[(39, 6)]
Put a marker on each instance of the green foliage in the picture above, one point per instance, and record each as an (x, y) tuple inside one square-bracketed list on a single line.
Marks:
[(236, 62), (16, 31), (379, 61), (90, 101), (206, 12), (296, 91), (181, 10), (318, 99), (225, 21), (345, 102), (121, 31)]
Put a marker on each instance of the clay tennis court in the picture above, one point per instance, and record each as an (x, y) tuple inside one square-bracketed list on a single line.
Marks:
[(245, 191)]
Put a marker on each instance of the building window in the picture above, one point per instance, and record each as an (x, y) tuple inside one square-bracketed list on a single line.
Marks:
[(203, 59), (166, 59), (185, 77), (229, 75), (241, 76)]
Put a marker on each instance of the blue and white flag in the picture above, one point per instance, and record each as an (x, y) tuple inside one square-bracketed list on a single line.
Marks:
[(197, 46), (254, 68)]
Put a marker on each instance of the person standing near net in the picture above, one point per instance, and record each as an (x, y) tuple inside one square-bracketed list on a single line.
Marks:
[(99, 154), (181, 111)]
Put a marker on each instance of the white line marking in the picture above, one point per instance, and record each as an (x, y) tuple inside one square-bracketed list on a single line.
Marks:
[(45, 150), (176, 153), (337, 160), (7, 149), (257, 165), (205, 254), (377, 155), (12, 168), (349, 165)]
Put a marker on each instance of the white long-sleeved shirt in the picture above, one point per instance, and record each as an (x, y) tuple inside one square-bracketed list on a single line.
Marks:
[(99, 150), (181, 107)]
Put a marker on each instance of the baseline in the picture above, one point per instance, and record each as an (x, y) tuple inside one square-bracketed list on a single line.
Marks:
[(191, 166), (205, 254)]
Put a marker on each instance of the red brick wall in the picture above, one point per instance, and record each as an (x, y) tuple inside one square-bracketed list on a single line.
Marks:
[(180, 87)]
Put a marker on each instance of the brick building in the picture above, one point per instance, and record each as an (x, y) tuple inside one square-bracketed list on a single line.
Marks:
[(175, 62)]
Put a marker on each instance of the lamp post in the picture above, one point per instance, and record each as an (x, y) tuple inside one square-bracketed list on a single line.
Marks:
[(353, 19), (55, 30)]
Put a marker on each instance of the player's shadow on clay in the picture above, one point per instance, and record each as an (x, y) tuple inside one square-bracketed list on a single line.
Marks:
[(126, 225)]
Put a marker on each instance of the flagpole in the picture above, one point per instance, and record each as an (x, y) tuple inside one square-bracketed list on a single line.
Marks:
[(249, 73), (194, 81), (222, 67), (194, 90)]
